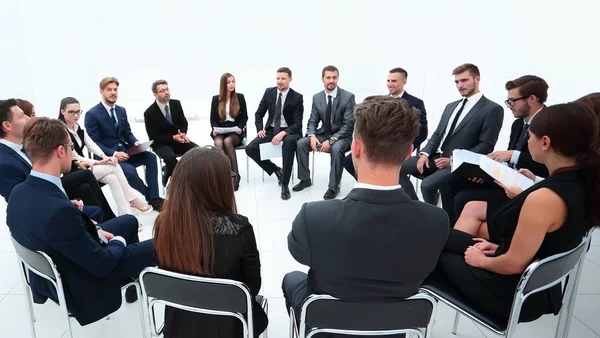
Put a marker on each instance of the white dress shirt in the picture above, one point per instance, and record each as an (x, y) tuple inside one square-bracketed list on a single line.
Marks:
[(162, 108), (333, 96), (516, 153), (359, 185), (17, 148), (88, 142), (107, 107), (283, 96), (397, 96), (228, 116)]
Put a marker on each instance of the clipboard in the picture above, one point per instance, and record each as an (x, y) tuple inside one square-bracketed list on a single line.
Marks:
[(141, 148)]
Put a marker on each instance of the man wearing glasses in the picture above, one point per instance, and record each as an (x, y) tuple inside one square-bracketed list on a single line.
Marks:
[(167, 126), (526, 97)]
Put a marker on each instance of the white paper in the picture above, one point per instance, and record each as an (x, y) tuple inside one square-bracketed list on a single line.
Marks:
[(221, 130), (504, 174), (460, 156), (269, 150)]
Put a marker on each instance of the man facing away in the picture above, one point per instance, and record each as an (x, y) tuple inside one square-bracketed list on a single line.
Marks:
[(377, 244), (334, 107), (93, 261)]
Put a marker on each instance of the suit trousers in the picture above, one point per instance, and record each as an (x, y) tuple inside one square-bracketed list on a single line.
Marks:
[(431, 182), (349, 165), (148, 160), (337, 152), (288, 151), (121, 191), (82, 184), (169, 153)]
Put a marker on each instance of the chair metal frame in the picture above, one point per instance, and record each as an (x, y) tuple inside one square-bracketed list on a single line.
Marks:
[(302, 332), (242, 146), (56, 281), (149, 302), (521, 296)]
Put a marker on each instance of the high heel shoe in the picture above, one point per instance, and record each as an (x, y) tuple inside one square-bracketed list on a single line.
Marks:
[(236, 182), (141, 207)]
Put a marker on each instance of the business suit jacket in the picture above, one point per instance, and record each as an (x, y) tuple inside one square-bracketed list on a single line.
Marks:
[(159, 129), (478, 131), (368, 246), (13, 170), (99, 126), (525, 159), (58, 229), (240, 120), (415, 102), (342, 114), (293, 110)]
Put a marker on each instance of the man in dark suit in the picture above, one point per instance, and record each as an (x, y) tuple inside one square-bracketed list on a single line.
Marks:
[(396, 81), (472, 123), (15, 166), (167, 126), (526, 97), (107, 125), (370, 245), (93, 262), (284, 124), (334, 107)]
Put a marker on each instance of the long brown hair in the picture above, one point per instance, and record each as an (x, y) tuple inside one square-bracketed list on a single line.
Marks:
[(579, 141), (591, 101), (234, 105), (200, 189)]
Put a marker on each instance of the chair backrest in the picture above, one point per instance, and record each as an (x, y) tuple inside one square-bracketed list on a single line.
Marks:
[(334, 315), (36, 261)]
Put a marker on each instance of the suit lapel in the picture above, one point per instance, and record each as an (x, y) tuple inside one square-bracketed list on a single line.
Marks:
[(17, 156), (446, 117), (471, 113), (288, 98), (336, 106)]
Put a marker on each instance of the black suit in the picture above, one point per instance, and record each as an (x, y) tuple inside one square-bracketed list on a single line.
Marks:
[(239, 121), (367, 247), (293, 110), (456, 191), (161, 132)]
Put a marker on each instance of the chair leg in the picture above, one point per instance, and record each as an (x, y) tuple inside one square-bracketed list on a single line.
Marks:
[(293, 332), (312, 170), (30, 312), (247, 169), (456, 318), (138, 291)]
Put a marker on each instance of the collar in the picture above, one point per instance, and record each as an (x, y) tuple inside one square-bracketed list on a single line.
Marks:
[(52, 179), (376, 187), (107, 107), (162, 106), (75, 128), (398, 96), (333, 93), (532, 116), (474, 98), (11, 145), (283, 93)]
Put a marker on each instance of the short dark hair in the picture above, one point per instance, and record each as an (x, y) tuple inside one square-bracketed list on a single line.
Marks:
[(158, 82), (530, 85), (41, 136), (329, 68), (387, 126), (5, 114), (400, 70), (467, 67), (285, 70)]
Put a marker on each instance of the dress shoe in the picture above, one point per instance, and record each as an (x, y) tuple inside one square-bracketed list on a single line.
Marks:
[(303, 184), (236, 182), (279, 175), (330, 194), (131, 295), (157, 204), (285, 192)]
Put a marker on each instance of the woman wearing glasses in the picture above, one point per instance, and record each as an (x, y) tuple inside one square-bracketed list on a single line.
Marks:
[(228, 109), (200, 233), (107, 170)]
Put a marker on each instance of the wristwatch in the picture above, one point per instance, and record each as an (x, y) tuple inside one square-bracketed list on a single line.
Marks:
[(332, 140)]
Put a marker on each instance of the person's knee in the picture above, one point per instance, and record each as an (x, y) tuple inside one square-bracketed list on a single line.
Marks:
[(291, 279)]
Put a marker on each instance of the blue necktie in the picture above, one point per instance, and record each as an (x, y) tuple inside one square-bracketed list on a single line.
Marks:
[(168, 115), (114, 118)]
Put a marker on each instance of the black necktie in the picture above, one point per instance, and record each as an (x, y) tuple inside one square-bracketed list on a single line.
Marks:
[(114, 118), (454, 122), (327, 122), (277, 117), (522, 137), (23, 150)]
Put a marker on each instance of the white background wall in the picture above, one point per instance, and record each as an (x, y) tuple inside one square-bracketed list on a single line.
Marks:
[(53, 49)]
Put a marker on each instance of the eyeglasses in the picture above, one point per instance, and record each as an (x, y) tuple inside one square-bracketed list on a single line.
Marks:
[(67, 145), (74, 112), (511, 102), (163, 90)]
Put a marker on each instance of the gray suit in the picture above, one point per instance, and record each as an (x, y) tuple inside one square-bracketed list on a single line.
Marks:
[(478, 132), (342, 125)]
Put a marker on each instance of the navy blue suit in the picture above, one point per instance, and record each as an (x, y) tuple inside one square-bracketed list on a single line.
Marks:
[(92, 273), (413, 102), (14, 170), (100, 128)]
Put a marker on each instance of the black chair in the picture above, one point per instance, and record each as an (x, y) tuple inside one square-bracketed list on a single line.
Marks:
[(538, 276), (212, 296), (42, 265), (326, 314)]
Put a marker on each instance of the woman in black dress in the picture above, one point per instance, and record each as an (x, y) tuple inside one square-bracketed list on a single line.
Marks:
[(490, 247), (228, 109), (200, 233)]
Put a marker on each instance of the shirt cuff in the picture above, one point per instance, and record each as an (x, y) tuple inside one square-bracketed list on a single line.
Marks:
[(515, 157), (423, 153), (120, 239)]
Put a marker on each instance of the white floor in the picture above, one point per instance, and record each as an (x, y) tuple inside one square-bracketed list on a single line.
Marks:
[(272, 219)]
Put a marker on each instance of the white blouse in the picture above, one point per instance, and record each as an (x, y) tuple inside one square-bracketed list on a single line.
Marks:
[(89, 143)]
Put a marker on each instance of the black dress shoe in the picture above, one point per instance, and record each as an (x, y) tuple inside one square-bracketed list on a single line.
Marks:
[(330, 194), (131, 295), (303, 184), (279, 175), (285, 192), (157, 204), (236, 182)]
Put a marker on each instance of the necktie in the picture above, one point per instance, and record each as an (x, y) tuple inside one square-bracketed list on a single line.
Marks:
[(327, 122), (453, 125), (23, 150), (522, 137), (277, 117), (168, 115), (114, 118)]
